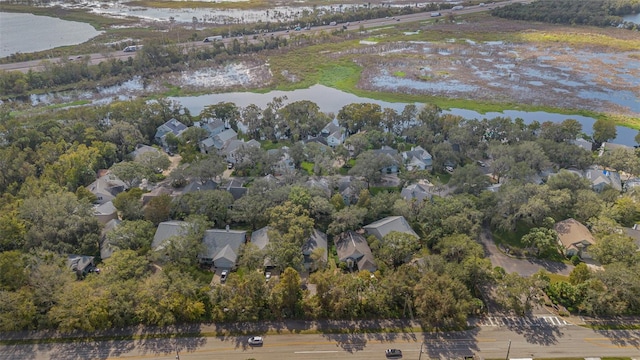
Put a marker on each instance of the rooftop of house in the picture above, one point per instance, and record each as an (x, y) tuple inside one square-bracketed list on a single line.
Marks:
[(571, 232), (166, 230), (384, 226)]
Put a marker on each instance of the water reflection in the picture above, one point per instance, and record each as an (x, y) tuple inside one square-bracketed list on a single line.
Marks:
[(331, 101)]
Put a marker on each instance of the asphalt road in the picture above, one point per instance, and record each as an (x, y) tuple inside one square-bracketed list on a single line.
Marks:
[(485, 342), (523, 267), (36, 65)]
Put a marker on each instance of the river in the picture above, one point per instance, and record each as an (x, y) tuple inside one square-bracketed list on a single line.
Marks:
[(26, 33), (331, 101)]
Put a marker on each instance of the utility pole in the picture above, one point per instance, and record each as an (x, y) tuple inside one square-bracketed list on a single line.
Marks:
[(508, 350)]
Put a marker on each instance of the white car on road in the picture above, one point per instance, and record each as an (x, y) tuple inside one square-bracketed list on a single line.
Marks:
[(255, 341)]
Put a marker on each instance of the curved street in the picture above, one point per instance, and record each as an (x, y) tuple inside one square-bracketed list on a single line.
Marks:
[(524, 267)]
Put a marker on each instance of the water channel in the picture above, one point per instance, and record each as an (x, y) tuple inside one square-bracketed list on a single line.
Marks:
[(331, 101), (26, 33)]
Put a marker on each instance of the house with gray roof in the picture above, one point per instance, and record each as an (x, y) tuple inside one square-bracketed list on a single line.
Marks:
[(230, 152), (236, 188), (213, 126), (167, 230), (106, 187), (105, 212), (417, 159), (172, 126), (221, 140), (260, 238), (393, 157), (106, 249), (632, 183), (353, 249), (384, 226), (601, 178), (317, 240), (222, 247), (82, 265), (197, 185), (333, 133), (143, 149), (585, 144), (418, 192)]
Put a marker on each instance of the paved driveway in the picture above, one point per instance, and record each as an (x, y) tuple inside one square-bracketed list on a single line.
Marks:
[(524, 267)]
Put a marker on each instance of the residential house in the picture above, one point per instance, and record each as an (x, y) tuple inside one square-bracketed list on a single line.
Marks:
[(213, 126), (82, 265), (601, 178), (320, 183), (106, 249), (333, 133), (143, 149), (167, 230), (417, 159), (349, 188), (155, 192), (230, 152), (317, 240), (392, 155), (207, 146), (221, 140), (106, 187), (419, 191), (236, 188), (285, 164), (575, 238), (382, 227), (353, 249), (222, 247), (585, 144), (172, 126), (197, 185), (105, 212), (260, 238)]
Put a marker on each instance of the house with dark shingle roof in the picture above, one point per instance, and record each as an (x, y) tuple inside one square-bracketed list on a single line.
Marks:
[(106, 249), (392, 154), (105, 212), (222, 247), (417, 159), (317, 240), (333, 133), (197, 185), (382, 227), (601, 178), (167, 230), (353, 249), (418, 191), (260, 238), (106, 187), (172, 126), (574, 237)]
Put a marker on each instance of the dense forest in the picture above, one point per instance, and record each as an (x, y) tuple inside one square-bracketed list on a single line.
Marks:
[(48, 159), (589, 12)]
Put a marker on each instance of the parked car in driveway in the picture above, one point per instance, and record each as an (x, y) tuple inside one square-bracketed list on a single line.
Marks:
[(255, 341), (393, 353), (267, 276), (223, 276)]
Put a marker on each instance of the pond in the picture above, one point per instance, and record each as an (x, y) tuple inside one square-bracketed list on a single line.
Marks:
[(27, 33), (331, 101)]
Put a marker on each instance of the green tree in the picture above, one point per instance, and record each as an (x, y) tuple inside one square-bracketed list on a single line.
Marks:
[(469, 179), (348, 218), (135, 235), (603, 130), (158, 209), (286, 295), (615, 248), (397, 248), (13, 274), (543, 239), (59, 222), (129, 204), (442, 302)]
